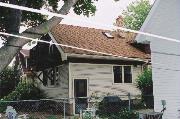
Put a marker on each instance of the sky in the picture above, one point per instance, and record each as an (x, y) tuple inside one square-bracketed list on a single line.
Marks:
[(107, 12)]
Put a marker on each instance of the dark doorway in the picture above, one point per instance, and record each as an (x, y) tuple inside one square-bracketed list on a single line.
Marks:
[(80, 94)]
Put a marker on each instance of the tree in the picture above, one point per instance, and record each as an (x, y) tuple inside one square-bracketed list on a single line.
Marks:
[(135, 14), (38, 25)]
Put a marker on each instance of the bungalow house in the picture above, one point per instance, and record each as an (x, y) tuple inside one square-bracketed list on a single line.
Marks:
[(164, 20), (65, 72)]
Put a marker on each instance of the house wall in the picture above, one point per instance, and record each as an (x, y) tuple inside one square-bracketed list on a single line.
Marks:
[(164, 20), (166, 74), (61, 89), (101, 79)]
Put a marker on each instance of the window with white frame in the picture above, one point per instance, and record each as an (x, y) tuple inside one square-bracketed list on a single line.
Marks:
[(122, 74)]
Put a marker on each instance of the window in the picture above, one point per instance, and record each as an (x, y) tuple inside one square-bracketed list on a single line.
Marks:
[(127, 74), (108, 35), (122, 74), (117, 74)]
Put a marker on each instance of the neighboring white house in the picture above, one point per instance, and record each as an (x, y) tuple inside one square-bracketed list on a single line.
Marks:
[(69, 72), (164, 20)]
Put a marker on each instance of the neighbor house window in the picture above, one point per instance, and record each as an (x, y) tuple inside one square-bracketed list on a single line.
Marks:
[(122, 74), (117, 74), (127, 74)]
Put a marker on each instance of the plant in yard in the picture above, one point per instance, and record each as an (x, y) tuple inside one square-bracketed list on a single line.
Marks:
[(145, 84), (8, 81), (122, 114), (52, 117), (23, 91)]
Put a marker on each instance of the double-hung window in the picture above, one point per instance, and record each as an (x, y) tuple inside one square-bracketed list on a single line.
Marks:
[(122, 74)]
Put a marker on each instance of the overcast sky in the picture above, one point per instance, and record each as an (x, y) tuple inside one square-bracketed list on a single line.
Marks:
[(107, 12)]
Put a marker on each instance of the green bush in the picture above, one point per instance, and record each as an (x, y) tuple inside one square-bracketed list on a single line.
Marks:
[(145, 84), (123, 114), (24, 91), (8, 81)]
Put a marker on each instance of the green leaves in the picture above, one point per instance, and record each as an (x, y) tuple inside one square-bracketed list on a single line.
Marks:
[(144, 81), (145, 84), (85, 7), (8, 80), (25, 91), (136, 14)]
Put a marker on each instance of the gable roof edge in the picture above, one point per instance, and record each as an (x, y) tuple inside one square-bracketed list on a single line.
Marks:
[(139, 37), (63, 54)]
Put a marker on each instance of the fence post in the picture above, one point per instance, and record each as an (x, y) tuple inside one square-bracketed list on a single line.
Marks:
[(64, 109), (129, 98)]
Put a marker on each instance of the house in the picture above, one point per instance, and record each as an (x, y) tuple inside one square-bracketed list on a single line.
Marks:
[(66, 72), (164, 20)]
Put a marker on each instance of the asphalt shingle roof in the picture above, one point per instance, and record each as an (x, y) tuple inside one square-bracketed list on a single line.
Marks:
[(94, 39)]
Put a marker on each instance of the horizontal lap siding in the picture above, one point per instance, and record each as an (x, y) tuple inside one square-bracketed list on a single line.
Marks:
[(166, 78), (100, 79)]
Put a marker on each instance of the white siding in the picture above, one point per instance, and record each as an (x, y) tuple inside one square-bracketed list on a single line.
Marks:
[(100, 79), (166, 78), (164, 20), (61, 90)]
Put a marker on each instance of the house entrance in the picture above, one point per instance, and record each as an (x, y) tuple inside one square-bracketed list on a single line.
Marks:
[(80, 94)]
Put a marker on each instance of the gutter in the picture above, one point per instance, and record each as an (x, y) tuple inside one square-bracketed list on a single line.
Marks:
[(72, 55)]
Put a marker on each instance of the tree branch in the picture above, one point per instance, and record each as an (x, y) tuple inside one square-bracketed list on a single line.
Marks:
[(7, 53)]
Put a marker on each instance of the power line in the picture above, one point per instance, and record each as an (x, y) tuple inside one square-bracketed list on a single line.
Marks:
[(69, 46), (63, 45), (164, 53), (74, 47), (93, 51), (167, 69), (98, 24)]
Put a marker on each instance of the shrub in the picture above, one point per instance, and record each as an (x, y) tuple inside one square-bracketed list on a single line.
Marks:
[(8, 81), (145, 84), (123, 114), (23, 91)]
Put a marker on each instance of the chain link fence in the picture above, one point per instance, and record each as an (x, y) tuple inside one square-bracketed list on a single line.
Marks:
[(108, 107)]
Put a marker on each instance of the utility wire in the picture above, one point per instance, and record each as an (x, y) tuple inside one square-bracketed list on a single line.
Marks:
[(97, 24), (69, 46), (165, 53), (73, 47)]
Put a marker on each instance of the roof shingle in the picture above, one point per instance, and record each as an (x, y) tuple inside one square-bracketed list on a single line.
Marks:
[(94, 39)]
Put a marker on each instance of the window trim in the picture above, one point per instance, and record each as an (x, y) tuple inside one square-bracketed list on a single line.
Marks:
[(122, 74)]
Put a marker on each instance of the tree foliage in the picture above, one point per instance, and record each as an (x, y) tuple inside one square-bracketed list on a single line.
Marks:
[(145, 84), (144, 81), (25, 91), (135, 14), (85, 7), (8, 81)]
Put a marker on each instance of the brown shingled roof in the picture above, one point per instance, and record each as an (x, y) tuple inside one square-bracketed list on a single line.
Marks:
[(94, 39)]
